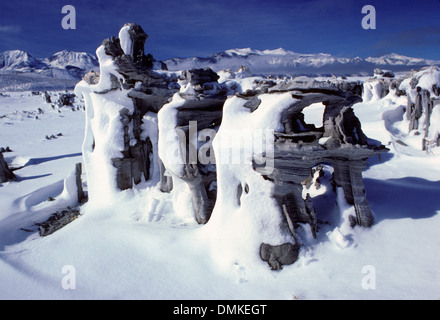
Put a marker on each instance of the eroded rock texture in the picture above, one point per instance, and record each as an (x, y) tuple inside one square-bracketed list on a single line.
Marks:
[(149, 91), (201, 110), (419, 110), (422, 94), (277, 256), (298, 148), (301, 146)]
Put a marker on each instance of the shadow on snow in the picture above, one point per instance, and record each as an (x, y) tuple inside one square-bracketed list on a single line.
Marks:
[(34, 161), (408, 197)]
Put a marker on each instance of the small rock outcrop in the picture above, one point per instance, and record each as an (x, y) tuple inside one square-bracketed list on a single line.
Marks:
[(277, 256), (5, 173), (65, 99), (57, 221), (423, 107)]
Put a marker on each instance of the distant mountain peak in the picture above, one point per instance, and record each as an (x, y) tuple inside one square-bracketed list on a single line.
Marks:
[(18, 60), (64, 64), (399, 59), (81, 60), (279, 51), (241, 52)]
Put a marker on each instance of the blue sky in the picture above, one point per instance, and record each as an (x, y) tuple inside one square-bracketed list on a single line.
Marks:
[(184, 28)]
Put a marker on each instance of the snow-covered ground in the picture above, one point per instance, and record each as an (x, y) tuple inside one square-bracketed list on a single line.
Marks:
[(137, 248)]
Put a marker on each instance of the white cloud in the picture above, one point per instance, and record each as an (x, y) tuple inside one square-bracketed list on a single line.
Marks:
[(10, 29)]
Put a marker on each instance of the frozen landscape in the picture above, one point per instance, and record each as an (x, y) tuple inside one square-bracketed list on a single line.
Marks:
[(138, 237)]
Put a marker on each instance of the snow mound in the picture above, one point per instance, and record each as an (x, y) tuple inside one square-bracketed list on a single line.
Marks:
[(241, 221)]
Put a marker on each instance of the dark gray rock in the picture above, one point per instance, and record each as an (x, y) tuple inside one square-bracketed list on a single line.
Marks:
[(388, 74), (166, 182), (200, 76), (138, 37), (383, 73), (112, 47), (277, 256), (436, 89), (416, 111), (57, 221), (46, 97), (66, 99), (79, 187), (201, 203), (252, 103), (5, 173)]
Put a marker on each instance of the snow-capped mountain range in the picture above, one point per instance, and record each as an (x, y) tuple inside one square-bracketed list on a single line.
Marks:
[(64, 64), (81, 60), (72, 65), (20, 71), (288, 62), (18, 60)]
